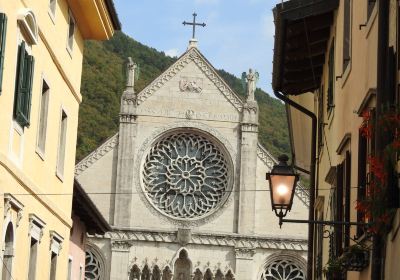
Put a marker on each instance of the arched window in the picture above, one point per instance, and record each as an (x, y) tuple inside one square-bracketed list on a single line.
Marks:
[(94, 264), (135, 273), (167, 274), (284, 267), (198, 275), (145, 273), (182, 266), (229, 275), (208, 275), (219, 275), (156, 275), (8, 253)]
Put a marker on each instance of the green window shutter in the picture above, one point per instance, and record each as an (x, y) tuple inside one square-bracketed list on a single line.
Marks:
[(23, 89), (3, 29)]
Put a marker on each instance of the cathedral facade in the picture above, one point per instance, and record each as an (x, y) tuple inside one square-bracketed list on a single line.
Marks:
[(183, 185)]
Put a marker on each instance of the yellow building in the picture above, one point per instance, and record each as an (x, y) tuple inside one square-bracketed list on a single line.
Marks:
[(338, 60), (41, 49)]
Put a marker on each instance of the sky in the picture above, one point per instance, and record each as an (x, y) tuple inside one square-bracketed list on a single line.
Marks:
[(239, 34)]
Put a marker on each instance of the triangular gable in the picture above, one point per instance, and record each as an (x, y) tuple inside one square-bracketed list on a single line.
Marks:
[(98, 153), (301, 192), (192, 54)]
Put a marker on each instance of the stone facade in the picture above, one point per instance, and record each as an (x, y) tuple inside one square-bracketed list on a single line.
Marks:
[(183, 184)]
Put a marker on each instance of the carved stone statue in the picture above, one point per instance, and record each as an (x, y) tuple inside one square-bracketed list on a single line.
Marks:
[(131, 73), (250, 80)]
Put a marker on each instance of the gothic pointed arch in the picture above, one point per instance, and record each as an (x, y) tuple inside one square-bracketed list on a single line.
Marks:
[(284, 266), (219, 275), (156, 273), (167, 273), (197, 274), (208, 275), (145, 273), (229, 275), (134, 274), (182, 266), (8, 254), (95, 265)]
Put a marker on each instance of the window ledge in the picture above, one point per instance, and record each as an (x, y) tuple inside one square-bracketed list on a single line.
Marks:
[(69, 51), (60, 176), (40, 153), (346, 74)]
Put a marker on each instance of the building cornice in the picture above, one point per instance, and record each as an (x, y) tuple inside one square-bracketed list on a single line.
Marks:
[(213, 239)]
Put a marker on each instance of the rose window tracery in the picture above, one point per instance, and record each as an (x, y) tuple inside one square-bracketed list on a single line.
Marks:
[(185, 175), (93, 266), (283, 270)]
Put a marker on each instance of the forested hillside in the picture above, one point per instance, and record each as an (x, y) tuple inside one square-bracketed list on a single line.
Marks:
[(103, 81)]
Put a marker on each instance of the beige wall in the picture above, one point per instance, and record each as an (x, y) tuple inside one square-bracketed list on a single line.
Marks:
[(28, 175)]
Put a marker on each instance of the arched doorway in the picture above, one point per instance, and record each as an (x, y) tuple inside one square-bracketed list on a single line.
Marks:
[(8, 253), (182, 267)]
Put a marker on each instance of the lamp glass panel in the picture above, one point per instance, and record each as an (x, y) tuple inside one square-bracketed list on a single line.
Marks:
[(282, 188)]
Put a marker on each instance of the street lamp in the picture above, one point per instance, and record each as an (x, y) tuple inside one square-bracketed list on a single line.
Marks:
[(282, 182)]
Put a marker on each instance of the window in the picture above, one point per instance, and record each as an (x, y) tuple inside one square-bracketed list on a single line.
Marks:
[(69, 276), (32, 259), (320, 119), (53, 266), (370, 8), (23, 88), (61, 145), (44, 104), (3, 29), (52, 8), (71, 31), (346, 34), (80, 272), (331, 77)]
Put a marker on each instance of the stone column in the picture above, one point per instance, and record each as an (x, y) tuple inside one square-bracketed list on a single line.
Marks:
[(120, 260), (244, 263), (248, 166), (126, 157)]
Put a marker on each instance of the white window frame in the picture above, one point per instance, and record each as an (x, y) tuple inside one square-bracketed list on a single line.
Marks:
[(59, 172), (41, 152), (70, 46), (51, 12)]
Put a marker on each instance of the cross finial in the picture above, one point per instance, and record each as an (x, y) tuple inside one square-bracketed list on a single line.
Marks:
[(194, 24)]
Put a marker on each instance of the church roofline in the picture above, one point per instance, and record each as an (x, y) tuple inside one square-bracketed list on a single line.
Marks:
[(97, 153), (192, 54)]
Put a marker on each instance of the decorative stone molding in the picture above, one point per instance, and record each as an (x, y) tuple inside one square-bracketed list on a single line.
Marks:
[(191, 55), (220, 141), (127, 118), (249, 127), (55, 242), (229, 239), (245, 253), (36, 226), (184, 236), (96, 154), (10, 202), (301, 192), (120, 245), (191, 85)]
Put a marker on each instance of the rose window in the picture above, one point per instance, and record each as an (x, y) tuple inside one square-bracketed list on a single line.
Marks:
[(283, 270), (185, 175), (93, 266)]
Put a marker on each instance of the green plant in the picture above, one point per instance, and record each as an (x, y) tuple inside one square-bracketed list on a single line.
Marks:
[(333, 266)]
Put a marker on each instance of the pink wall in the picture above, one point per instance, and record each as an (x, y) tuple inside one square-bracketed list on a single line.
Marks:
[(77, 247)]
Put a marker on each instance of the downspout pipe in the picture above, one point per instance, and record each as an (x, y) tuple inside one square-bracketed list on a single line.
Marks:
[(381, 99), (310, 253)]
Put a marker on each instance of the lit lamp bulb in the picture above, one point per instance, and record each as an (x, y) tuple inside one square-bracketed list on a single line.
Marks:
[(282, 190)]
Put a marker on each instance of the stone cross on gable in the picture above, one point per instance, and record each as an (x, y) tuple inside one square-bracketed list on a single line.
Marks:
[(194, 24)]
